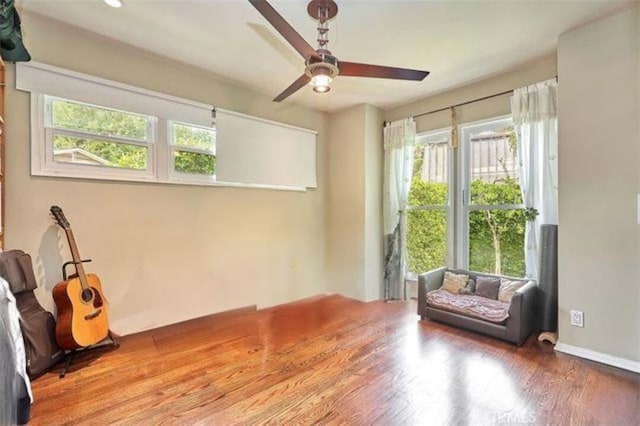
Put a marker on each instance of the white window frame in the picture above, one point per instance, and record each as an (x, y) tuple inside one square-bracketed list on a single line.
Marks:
[(459, 200), (42, 80), (42, 158), (422, 139), (158, 143), (177, 176), (464, 206)]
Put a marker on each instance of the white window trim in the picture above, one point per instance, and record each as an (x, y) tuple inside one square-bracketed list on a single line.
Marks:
[(43, 163), (464, 196), (458, 207), (39, 79), (35, 77)]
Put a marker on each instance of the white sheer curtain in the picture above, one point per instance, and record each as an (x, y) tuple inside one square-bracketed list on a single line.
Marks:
[(399, 141), (536, 124)]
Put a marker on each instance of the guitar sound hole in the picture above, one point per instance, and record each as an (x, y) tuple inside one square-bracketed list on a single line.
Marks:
[(87, 295)]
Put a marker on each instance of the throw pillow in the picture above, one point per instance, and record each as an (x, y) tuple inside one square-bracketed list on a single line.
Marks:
[(454, 282), (488, 287), (508, 288), (469, 289)]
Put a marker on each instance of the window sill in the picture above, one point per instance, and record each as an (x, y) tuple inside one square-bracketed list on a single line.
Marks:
[(154, 180)]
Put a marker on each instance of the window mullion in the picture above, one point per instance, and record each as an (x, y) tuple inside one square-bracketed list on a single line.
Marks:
[(428, 207), (97, 136), (162, 149), (192, 149), (477, 207)]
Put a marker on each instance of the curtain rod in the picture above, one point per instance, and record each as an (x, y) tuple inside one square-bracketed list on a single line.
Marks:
[(467, 102)]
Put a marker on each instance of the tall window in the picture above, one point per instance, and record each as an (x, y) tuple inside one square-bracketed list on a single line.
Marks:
[(467, 210), (429, 201), (493, 212)]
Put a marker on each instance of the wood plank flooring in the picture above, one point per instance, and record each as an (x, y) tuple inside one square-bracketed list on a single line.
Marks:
[(332, 360)]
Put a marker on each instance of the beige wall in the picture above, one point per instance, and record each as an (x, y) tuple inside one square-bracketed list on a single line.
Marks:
[(354, 248), (165, 253), (538, 70), (345, 239), (373, 241), (599, 166)]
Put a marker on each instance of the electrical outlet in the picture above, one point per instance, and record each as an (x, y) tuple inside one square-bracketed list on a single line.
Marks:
[(577, 318)]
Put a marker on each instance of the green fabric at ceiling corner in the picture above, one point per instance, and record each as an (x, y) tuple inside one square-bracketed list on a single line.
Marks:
[(12, 47)]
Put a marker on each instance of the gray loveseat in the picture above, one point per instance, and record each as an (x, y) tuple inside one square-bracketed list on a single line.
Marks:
[(516, 328)]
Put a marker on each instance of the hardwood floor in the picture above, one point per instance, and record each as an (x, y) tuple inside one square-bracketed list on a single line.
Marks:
[(332, 360)]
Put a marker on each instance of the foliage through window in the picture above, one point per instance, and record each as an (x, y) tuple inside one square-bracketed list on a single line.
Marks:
[(87, 127), (90, 135), (193, 149), (86, 140), (428, 204), (485, 205), (496, 216)]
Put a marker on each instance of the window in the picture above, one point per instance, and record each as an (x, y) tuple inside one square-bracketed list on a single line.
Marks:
[(466, 210), (95, 139), (429, 204), (493, 213), (87, 127), (193, 151), (90, 141)]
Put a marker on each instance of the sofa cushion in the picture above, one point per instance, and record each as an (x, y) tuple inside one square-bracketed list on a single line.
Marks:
[(454, 282), (508, 287), (470, 288), (473, 306), (488, 287)]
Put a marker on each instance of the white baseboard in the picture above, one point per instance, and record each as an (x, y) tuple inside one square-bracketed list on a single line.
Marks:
[(603, 358)]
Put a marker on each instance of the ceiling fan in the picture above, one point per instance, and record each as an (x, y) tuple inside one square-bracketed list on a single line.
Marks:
[(321, 65)]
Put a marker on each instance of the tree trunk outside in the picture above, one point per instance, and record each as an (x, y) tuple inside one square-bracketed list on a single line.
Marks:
[(497, 265), (497, 262)]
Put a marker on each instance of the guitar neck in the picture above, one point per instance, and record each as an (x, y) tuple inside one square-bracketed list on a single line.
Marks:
[(77, 260)]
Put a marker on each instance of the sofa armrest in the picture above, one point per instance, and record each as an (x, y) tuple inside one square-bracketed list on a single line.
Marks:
[(522, 313), (427, 282)]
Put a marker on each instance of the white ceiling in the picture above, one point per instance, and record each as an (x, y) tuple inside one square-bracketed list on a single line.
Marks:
[(458, 41)]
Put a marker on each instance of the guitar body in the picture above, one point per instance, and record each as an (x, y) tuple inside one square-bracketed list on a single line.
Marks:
[(82, 312)]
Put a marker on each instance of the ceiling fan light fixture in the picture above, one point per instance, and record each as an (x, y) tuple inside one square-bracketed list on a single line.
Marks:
[(321, 70), (321, 89), (113, 3), (320, 83)]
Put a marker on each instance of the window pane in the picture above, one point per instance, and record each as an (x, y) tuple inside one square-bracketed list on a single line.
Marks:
[(429, 184), (426, 239), (99, 153), (494, 168), (496, 241), (194, 137), (194, 163), (107, 122)]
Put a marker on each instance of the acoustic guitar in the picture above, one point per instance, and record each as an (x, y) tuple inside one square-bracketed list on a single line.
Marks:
[(82, 308)]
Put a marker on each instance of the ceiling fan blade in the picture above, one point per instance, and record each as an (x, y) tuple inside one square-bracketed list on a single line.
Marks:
[(295, 86), (284, 28), (354, 69)]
